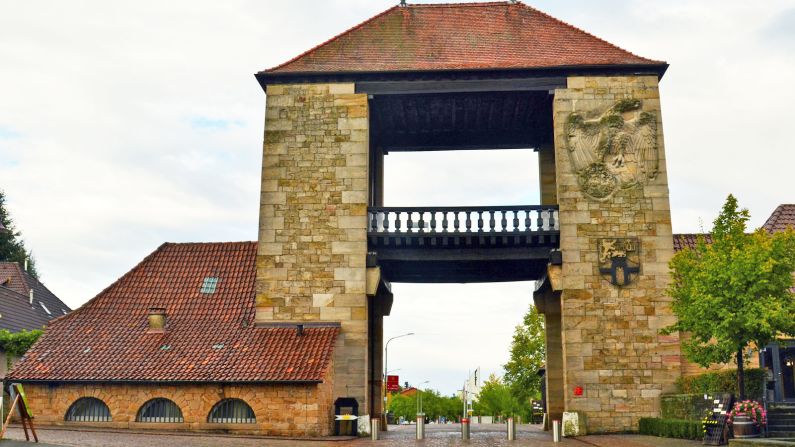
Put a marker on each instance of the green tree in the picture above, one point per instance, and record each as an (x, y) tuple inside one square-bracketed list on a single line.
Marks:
[(434, 405), (527, 358), (733, 293), (12, 247), (496, 399)]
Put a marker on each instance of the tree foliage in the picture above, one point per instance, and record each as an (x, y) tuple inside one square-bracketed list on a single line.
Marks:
[(527, 358), (12, 247), (17, 343), (434, 405), (733, 292), (496, 399)]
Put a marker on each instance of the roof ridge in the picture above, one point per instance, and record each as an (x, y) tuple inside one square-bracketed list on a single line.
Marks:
[(576, 28), (348, 31), (447, 5)]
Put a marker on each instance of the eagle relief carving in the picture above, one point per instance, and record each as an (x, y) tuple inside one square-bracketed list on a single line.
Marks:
[(615, 150)]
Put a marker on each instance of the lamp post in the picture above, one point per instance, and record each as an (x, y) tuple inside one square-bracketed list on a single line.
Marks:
[(386, 359)]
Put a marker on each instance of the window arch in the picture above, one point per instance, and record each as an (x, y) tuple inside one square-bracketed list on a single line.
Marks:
[(88, 409), (232, 411), (159, 410)]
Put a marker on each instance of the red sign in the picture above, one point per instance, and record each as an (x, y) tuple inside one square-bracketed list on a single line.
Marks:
[(392, 383), (578, 391)]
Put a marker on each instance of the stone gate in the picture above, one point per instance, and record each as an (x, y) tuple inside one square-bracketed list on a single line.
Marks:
[(475, 76)]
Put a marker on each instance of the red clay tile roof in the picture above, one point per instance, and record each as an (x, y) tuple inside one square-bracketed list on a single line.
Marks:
[(16, 310), (782, 218), (456, 36), (208, 337)]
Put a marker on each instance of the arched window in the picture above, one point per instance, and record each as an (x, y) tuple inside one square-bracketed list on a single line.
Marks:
[(232, 411), (88, 409), (159, 410)]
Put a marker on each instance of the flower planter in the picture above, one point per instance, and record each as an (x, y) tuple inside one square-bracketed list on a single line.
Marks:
[(744, 427)]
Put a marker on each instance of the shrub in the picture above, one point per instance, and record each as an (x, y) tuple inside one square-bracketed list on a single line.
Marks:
[(671, 428), (724, 382), (684, 406)]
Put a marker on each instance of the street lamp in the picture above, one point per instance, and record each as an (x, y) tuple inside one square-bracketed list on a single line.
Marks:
[(386, 359)]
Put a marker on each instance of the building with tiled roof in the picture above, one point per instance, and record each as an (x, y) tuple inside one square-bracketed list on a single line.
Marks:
[(272, 337), (781, 219), (180, 326), (26, 303), (460, 37)]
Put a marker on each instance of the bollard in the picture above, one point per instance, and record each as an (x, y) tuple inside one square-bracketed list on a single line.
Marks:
[(465, 429), (420, 426), (555, 431), (374, 429), (511, 430)]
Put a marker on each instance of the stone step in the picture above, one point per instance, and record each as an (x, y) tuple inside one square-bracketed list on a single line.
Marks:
[(780, 418), (781, 434)]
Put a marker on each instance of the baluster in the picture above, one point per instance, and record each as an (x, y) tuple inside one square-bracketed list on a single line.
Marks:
[(480, 221), (552, 222), (456, 222), (373, 218), (386, 221), (515, 220), (410, 222), (397, 221), (492, 223), (444, 222), (422, 221), (504, 221), (541, 221), (468, 222), (527, 222), (433, 221)]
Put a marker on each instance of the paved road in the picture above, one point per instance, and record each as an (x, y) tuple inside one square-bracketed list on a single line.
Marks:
[(403, 436)]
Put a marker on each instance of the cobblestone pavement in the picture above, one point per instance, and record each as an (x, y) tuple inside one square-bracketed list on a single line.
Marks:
[(403, 436)]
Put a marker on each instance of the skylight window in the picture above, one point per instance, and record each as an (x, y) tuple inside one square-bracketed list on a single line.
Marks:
[(45, 308), (210, 284)]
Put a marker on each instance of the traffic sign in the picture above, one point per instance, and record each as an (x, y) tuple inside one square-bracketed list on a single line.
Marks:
[(392, 383), (346, 417)]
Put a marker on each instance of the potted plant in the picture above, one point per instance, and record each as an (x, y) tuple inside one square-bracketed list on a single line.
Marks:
[(747, 419)]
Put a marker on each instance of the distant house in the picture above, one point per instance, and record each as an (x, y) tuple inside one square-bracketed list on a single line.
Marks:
[(778, 357), (25, 303)]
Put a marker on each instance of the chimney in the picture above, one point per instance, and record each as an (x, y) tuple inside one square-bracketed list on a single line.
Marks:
[(299, 330), (157, 319), (31, 296), (26, 263)]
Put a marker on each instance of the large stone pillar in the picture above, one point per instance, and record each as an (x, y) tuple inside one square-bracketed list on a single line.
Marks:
[(614, 216), (547, 301), (313, 217)]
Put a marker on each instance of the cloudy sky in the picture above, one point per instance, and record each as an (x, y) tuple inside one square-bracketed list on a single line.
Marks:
[(127, 124)]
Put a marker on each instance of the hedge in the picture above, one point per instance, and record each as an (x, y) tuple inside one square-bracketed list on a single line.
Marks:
[(724, 382), (671, 428), (684, 406)]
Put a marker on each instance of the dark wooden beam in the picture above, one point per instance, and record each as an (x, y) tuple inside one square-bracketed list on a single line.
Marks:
[(461, 86)]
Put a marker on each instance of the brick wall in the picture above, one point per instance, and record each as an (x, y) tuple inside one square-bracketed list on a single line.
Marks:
[(313, 217), (280, 410), (610, 335)]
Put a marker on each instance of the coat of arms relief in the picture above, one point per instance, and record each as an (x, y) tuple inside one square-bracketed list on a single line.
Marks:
[(614, 150)]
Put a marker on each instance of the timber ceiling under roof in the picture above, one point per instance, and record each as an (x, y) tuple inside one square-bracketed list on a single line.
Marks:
[(462, 120)]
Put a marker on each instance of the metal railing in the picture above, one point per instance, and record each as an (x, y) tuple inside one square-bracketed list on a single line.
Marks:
[(472, 220)]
